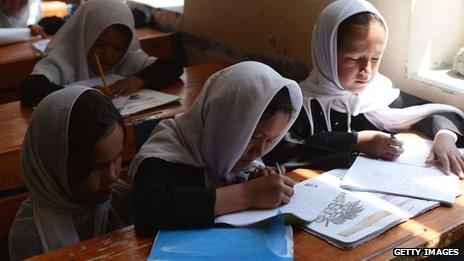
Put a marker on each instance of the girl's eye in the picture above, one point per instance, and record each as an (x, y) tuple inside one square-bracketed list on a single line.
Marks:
[(353, 59), (375, 59)]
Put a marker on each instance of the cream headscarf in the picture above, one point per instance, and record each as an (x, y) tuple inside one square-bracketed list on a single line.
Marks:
[(324, 86), (66, 55), (30, 14), (214, 133), (44, 157)]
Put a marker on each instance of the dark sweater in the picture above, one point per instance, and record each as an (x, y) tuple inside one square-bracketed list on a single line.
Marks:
[(335, 149), (169, 195), (159, 74)]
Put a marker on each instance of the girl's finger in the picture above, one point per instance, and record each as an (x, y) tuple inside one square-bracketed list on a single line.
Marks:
[(430, 158), (445, 164)]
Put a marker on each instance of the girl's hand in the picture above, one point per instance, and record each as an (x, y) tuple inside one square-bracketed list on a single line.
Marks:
[(126, 86), (264, 172), (380, 145), (36, 30), (269, 191), (444, 150)]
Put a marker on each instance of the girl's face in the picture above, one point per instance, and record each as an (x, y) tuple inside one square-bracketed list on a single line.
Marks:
[(105, 170), (358, 58), (110, 47), (265, 132)]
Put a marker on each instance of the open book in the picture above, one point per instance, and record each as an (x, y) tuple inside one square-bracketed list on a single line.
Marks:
[(401, 179), (13, 35), (305, 206), (274, 241), (139, 101), (406, 176), (354, 217)]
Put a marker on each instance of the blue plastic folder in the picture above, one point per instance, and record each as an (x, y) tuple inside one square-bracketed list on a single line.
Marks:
[(274, 241)]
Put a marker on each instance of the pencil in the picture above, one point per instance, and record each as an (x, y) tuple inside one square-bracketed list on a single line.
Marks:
[(100, 71), (277, 167)]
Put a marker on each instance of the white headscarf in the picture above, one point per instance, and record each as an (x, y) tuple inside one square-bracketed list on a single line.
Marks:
[(324, 86), (28, 15), (44, 158), (214, 133), (66, 55)]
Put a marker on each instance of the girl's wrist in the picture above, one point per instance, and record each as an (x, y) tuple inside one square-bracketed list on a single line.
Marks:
[(447, 134)]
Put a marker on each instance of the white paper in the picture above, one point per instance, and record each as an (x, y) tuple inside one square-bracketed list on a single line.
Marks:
[(13, 35), (416, 150), (401, 179), (146, 99), (41, 45), (306, 203), (118, 102)]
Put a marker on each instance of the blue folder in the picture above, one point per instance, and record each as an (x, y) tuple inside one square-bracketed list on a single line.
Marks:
[(271, 242)]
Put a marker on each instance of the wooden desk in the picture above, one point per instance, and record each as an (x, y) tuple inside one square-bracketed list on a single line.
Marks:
[(18, 60), (436, 228)]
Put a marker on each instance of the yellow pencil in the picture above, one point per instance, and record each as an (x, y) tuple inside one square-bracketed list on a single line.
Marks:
[(100, 71)]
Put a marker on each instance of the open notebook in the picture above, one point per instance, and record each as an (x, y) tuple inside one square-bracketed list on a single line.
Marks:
[(406, 176), (304, 207), (354, 217), (139, 101), (13, 35)]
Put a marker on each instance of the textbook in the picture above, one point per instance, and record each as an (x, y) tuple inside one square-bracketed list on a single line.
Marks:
[(13, 35), (353, 217), (271, 242), (304, 206), (139, 101), (401, 179)]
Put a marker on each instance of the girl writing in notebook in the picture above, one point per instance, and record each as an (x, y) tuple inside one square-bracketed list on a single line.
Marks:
[(70, 164), (196, 166), (349, 107), (104, 28)]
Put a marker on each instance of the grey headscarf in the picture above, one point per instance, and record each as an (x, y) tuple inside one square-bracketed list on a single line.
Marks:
[(214, 133), (44, 158), (65, 58)]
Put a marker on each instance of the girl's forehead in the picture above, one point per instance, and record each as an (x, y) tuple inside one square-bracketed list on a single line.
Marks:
[(364, 37)]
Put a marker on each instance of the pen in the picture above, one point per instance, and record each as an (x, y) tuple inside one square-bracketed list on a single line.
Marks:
[(277, 167)]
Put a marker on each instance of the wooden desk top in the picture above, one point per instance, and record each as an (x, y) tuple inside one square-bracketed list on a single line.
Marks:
[(436, 228), (14, 120), (24, 51)]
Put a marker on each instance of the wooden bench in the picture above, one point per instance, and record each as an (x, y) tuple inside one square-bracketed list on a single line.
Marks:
[(18, 60), (439, 227), (14, 120)]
